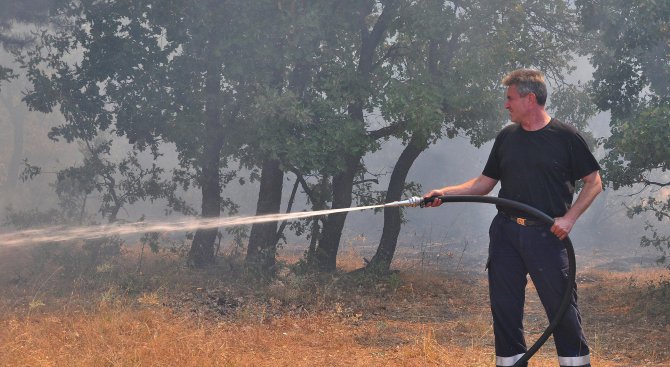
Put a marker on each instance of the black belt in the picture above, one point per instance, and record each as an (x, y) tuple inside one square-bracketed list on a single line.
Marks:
[(523, 221)]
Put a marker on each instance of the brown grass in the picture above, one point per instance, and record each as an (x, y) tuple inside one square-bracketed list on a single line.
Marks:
[(171, 316)]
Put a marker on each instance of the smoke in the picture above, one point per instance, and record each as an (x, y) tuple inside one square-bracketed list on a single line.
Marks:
[(604, 226)]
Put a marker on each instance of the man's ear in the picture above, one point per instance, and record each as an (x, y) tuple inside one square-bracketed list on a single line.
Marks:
[(532, 97)]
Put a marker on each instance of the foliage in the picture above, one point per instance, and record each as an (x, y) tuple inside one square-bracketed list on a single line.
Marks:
[(6, 74), (638, 148), (23, 219), (447, 66), (119, 184), (628, 46), (74, 261), (447, 79), (29, 171), (315, 85), (136, 70), (570, 102), (93, 259)]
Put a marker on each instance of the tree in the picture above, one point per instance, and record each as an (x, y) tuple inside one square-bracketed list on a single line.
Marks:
[(287, 86), (317, 43), (276, 145), (118, 184), (153, 72), (449, 83), (353, 86), (280, 68), (412, 62), (629, 49)]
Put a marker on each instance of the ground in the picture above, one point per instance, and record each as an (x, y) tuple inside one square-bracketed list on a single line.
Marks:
[(58, 309)]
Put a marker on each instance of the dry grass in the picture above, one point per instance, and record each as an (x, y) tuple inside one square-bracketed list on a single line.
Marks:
[(171, 316)]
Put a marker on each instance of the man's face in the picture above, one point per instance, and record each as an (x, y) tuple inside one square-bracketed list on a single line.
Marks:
[(517, 105)]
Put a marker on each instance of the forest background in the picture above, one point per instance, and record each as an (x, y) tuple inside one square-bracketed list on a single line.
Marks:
[(117, 112)]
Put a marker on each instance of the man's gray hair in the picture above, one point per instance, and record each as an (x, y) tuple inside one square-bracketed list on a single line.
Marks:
[(528, 81)]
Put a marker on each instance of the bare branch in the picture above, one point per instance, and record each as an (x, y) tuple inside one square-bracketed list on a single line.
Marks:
[(654, 183)]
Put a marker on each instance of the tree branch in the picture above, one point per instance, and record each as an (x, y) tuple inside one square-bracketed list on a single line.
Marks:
[(310, 193), (654, 183), (383, 22), (387, 130), (372, 39), (291, 199), (392, 52), (367, 180)]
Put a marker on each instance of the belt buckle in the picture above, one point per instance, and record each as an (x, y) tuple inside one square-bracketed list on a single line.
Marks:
[(521, 221)]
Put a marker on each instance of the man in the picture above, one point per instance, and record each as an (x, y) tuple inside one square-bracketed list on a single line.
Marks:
[(537, 160)]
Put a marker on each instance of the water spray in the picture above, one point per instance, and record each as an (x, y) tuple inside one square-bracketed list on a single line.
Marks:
[(65, 233), (57, 234)]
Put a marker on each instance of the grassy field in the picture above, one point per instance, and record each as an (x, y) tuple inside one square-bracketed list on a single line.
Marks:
[(61, 307)]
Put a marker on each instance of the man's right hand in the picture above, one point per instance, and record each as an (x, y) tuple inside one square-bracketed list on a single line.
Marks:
[(436, 202)]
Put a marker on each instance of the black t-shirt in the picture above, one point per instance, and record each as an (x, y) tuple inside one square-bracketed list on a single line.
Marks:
[(539, 168)]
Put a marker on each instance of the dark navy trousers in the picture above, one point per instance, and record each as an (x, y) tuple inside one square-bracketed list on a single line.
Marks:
[(516, 251)]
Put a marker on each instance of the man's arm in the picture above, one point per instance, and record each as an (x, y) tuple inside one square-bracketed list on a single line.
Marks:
[(480, 185), (592, 187)]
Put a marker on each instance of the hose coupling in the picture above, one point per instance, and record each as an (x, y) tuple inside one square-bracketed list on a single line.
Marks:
[(413, 202)]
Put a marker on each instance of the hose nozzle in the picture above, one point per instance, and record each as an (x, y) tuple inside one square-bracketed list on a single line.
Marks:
[(413, 201)]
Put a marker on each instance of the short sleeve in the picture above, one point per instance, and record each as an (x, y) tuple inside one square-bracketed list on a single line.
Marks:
[(492, 167), (582, 160)]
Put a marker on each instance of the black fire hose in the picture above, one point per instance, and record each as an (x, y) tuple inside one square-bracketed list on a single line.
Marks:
[(567, 296)]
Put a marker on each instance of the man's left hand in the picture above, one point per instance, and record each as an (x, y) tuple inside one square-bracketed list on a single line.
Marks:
[(562, 227)]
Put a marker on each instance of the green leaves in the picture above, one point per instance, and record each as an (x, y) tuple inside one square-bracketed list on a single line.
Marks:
[(631, 54), (638, 147), (6, 74), (629, 51), (573, 104), (316, 85)]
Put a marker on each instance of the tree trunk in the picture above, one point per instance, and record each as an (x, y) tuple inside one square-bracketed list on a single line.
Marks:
[(201, 253), (262, 247), (318, 203), (381, 261), (343, 182), (325, 256)]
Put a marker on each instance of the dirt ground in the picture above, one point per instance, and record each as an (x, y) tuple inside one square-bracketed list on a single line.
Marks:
[(55, 311)]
